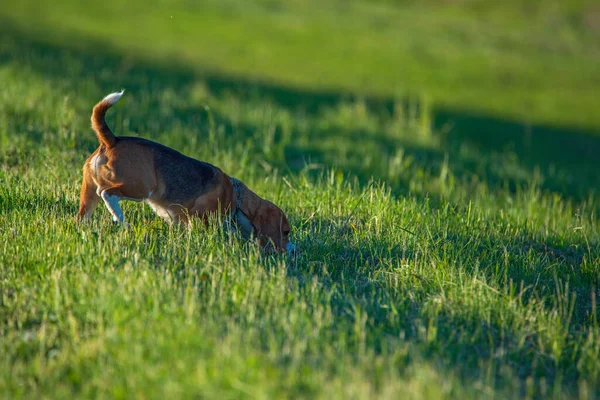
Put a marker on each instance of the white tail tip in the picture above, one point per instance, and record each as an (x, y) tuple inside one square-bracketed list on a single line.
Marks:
[(114, 97)]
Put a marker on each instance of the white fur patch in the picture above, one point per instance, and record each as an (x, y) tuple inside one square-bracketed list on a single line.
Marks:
[(161, 211), (112, 203), (244, 223), (97, 161), (114, 97)]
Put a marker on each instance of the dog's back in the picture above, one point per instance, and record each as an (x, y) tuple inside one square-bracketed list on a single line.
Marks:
[(183, 177)]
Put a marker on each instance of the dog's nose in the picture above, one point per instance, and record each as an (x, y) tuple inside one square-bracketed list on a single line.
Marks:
[(291, 249)]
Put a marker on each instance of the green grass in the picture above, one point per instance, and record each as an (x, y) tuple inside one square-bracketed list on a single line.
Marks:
[(449, 235)]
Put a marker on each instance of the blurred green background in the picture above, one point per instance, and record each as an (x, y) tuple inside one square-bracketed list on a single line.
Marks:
[(534, 62)]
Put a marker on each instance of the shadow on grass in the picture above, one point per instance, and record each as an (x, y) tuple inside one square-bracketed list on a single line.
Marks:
[(475, 339)]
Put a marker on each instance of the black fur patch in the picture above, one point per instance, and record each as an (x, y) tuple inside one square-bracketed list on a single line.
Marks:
[(185, 178)]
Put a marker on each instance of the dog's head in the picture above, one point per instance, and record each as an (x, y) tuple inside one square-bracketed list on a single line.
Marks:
[(272, 228)]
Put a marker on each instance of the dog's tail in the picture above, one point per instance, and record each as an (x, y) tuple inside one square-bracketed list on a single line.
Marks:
[(103, 132)]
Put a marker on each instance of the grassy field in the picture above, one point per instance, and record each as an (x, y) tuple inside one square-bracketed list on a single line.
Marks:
[(438, 161)]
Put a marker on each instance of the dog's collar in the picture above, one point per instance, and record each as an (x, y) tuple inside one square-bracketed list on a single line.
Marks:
[(238, 216), (237, 189)]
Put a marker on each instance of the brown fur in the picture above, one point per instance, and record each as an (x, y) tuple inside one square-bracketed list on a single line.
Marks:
[(176, 187), (103, 132)]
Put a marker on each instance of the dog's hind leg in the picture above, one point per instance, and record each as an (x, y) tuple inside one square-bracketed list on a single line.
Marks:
[(88, 198), (111, 198)]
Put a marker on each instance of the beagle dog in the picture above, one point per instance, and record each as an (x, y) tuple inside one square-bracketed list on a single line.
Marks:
[(177, 187)]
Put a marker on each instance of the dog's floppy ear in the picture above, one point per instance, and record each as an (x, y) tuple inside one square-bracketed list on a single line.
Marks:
[(271, 226)]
